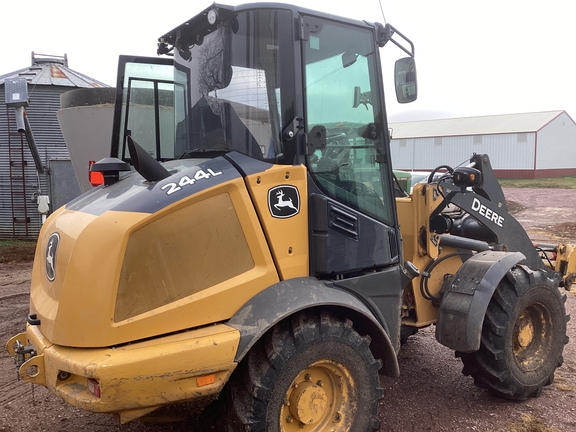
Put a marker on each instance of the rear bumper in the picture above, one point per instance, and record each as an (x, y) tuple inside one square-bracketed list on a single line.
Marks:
[(137, 378)]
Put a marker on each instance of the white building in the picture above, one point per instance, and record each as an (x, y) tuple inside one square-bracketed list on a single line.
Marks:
[(528, 145)]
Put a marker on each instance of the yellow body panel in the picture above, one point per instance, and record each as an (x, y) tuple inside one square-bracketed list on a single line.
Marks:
[(420, 246), (564, 262), (78, 308), (138, 377), (137, 300), (288, 237)]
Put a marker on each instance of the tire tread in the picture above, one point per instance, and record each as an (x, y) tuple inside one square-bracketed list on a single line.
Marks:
[(252, 385), (489, 365)]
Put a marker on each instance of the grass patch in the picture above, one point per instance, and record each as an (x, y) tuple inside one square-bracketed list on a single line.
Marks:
[(549, 182), (17, 251), (563, 384), (565, 387), (530, 423), (13, 242)]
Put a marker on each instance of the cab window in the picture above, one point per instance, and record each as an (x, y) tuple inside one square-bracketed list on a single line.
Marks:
[(342, 95)]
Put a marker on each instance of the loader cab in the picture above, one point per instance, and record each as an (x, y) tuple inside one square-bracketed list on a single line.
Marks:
[(283, 86)]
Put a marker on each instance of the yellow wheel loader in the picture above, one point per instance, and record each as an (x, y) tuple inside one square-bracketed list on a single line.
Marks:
[(249, 245)]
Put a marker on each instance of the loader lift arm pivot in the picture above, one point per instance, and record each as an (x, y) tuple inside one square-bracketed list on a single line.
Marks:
[(484, 200)]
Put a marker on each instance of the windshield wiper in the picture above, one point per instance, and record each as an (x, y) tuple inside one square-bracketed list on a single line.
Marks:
[(203, 153)]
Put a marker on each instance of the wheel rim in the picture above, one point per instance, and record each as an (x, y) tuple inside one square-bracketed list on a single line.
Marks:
[(320, 398), (532, 337)]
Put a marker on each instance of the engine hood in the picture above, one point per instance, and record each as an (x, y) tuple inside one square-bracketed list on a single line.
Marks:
[(135, 259)]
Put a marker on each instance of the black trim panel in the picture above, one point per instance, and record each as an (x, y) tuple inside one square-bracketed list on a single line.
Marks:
[(133, 194)]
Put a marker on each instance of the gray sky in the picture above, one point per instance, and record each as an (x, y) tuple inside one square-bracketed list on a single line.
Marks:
[(473, 58)]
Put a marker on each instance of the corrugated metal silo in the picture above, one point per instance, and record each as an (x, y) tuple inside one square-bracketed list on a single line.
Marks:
[(48, 77)]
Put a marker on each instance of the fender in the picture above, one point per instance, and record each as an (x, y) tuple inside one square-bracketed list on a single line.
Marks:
[(267, 308), (462, 310)]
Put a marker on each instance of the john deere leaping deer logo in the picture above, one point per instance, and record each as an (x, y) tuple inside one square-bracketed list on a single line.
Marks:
[(284, 201), (50, 263)]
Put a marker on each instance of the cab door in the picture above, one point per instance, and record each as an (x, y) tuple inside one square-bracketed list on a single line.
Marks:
[(353, 218)]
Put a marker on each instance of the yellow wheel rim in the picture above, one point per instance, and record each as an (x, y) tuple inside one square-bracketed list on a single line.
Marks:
[(532, 337), (320, 398)]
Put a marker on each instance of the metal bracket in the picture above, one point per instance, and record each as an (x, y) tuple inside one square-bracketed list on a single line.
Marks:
[(316, 139), (306, 25), (292, 129), (23, 353)]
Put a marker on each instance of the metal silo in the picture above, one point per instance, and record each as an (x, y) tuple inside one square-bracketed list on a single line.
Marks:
[(20, 182)]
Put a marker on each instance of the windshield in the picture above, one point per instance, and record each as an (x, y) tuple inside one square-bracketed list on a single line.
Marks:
[(233, 77), (342, 96)]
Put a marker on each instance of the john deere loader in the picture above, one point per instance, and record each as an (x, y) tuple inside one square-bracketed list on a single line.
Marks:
[(249, 246)]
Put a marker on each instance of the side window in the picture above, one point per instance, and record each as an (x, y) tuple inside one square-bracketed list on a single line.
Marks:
[(341, 96), (152, 104), (150, 116)]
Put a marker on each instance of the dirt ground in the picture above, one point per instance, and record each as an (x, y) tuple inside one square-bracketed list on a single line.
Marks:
[(431, 394)]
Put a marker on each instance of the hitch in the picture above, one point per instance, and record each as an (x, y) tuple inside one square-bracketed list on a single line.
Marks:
[(22, 353)]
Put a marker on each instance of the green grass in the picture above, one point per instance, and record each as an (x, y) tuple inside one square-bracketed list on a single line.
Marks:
[(552, 182), (16, 250), (13, 242)]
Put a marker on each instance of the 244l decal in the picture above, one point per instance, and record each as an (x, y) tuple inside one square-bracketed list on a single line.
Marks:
[(170, 188)]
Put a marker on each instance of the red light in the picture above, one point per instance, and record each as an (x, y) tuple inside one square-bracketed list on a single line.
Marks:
[(96, 178), (94, 387)]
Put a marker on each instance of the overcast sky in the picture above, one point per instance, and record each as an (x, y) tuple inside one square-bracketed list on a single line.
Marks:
[(473, 57)]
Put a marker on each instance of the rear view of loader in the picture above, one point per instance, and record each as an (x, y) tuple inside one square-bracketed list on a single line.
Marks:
[(247, 245)]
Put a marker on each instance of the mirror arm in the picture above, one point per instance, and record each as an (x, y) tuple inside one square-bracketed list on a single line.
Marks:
[(394, 31)]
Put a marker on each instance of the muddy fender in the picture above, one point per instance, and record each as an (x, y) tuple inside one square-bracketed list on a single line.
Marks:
[(462, 310), (269, 307)]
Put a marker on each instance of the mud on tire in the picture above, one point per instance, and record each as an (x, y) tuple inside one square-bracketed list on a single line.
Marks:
[(313, 372), (523, 336)]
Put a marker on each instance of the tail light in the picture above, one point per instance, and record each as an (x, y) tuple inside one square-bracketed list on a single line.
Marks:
[(94, 387), (96, 178)]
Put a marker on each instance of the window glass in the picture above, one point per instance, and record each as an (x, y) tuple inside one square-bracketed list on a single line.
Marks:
[(342, 96), (149, 99), (233, 77)]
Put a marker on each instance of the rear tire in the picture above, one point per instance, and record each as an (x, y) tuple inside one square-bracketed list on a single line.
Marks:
[(523, 336), (311, 373)]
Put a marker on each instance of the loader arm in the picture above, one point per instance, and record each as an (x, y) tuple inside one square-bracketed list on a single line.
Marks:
[(485, 202)]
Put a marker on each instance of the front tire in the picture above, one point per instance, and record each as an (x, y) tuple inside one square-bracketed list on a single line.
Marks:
[(311, 373), (523, 336)]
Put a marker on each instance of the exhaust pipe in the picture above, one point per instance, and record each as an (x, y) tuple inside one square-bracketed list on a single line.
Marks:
[(146, 165)]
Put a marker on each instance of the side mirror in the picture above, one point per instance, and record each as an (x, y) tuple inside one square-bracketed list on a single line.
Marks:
[(405, 80)]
